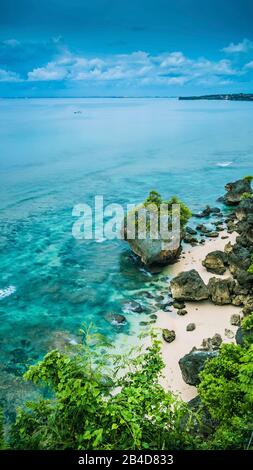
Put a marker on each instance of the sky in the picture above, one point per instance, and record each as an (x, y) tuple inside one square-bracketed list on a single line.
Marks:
[(125, 48)]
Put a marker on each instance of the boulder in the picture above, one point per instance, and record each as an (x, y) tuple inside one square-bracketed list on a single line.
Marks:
[(132, 306), (152, 250), (210, 344), (168, 335), (229, 333), (235, 319), (191, 327), (191, 231), (193, 363), (189, 285), (182, 312), (215, 262), (115, 319), (235, 191), (178, 305), (207, 211), (221, 290)]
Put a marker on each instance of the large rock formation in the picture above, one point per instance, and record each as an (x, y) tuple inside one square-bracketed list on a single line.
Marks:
[(215, 262), (193, 363), (189, 285), (221, 290), (155, 229), (152, 251), (236, 190)]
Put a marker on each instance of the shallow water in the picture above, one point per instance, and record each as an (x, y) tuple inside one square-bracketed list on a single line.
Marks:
[(59, 152)]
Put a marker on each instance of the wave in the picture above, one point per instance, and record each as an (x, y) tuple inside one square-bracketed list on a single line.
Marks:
[(6, 292), (224, 164)]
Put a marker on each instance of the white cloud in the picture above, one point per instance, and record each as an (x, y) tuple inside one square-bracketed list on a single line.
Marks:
[(174, 59), (244, 46), (51, 72), (138, 67), (7, 76)]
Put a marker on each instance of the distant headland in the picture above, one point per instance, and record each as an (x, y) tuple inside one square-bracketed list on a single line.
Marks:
[(228, 97)]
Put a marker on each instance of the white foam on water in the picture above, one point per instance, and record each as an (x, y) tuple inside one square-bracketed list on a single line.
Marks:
[(224, 164), (6, 292)]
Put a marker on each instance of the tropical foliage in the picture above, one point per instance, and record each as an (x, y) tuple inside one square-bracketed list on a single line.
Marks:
[(99, 400)]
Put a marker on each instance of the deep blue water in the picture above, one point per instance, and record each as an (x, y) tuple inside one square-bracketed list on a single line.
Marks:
[(59, 152)]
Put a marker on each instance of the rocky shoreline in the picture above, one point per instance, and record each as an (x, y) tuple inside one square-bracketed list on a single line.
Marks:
[(201, 296), (211, 289)]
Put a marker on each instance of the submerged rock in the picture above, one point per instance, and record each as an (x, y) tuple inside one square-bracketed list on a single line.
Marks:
[(116, 318), (191, 231), (132, 306), (193, 363), (189, 285)]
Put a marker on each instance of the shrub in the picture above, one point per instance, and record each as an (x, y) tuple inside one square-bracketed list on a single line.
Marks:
[(246, 196), (89, 411), (226, 390), (248, 178)]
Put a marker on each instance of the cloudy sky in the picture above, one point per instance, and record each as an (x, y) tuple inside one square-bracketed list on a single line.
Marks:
[(130, 48)]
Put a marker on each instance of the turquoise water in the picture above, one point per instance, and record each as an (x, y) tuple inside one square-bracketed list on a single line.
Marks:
[(59, 152)]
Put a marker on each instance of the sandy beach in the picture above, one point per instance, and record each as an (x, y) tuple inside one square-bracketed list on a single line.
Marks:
[(209, 318)]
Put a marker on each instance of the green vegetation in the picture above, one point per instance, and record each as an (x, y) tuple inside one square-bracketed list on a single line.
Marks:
[(89, 410), (155, 199), (246, 196), (105, 401), (248, 178), (250, 269)]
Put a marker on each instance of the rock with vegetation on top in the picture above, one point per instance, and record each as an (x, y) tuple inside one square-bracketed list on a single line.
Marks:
[(155, 248), (193, 363), (221, 290), (168, 335), (236, 190), (215, 262), (190, 286)]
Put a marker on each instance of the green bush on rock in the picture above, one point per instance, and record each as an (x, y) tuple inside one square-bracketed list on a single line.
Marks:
[(226, 390)]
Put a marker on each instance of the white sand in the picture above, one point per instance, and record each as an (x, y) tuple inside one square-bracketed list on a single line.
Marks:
[(209, 318)]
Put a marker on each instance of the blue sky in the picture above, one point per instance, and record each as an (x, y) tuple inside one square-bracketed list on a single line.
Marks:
[(130, 48)]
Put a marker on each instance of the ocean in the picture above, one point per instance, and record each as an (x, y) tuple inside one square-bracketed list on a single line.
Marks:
[(56, 153)]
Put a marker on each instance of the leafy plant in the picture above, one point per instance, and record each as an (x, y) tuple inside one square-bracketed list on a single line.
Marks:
[(250, 269), (248, 178), (246, 196), (226, 390), (94, 407)]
